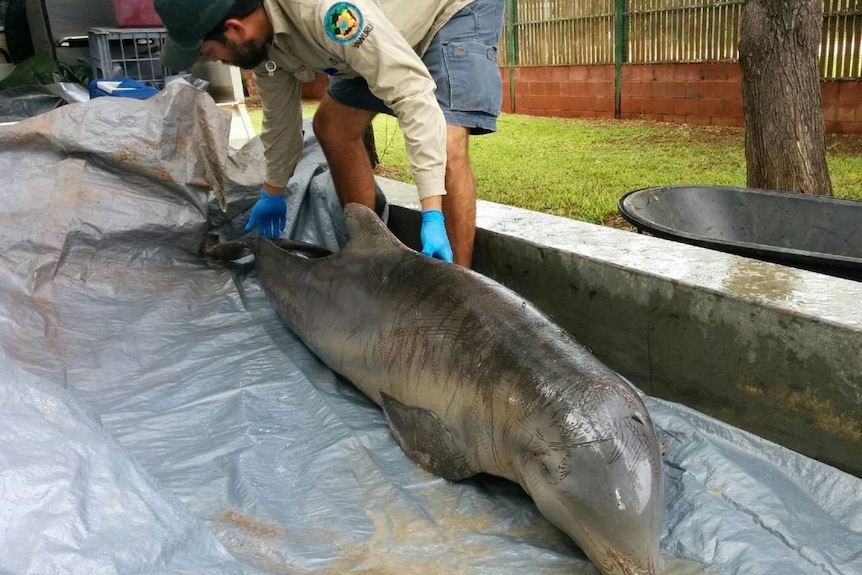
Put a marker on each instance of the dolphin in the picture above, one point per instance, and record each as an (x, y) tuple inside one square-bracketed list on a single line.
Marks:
[(472, 379)]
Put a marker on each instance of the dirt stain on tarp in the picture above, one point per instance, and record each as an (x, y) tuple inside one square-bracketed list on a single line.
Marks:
[(254, 541), (252, 527), (403, 542), (441, 540)]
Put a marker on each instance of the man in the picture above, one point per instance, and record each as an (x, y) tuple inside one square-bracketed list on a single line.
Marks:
[(372, 51)]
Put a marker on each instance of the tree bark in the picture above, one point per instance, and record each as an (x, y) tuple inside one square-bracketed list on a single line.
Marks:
[(785, 141)]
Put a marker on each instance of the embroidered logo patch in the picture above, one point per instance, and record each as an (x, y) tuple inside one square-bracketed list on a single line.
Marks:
[(343, 22)]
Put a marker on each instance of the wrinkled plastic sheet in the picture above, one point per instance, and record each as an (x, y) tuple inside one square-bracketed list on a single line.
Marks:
[(157, 417), (23, 102)]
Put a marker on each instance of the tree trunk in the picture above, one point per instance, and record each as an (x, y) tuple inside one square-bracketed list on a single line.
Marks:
[(785, 141)]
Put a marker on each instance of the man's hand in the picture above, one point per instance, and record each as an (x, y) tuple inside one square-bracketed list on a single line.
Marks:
[(435, 242), (269, 215)]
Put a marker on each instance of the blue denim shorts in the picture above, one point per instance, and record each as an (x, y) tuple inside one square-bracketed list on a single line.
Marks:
[(462, 59)]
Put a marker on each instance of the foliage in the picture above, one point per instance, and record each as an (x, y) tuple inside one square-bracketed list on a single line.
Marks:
[(42, 69)]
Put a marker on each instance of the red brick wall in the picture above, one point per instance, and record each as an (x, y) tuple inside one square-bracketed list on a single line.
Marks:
[(563, 91), (842, 106), (704, 94)]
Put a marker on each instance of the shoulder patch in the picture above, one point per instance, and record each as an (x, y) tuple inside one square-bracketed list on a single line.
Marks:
[(343, 22)]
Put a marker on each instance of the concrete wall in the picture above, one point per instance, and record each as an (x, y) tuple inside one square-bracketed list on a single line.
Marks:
[(701, 94), (770, 349)]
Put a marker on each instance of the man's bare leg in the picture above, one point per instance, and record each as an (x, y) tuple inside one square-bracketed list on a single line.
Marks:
[(339, 130), (459, 203)]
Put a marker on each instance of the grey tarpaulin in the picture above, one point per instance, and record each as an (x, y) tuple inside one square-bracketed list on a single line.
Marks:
[(156, 416), (22, 102)]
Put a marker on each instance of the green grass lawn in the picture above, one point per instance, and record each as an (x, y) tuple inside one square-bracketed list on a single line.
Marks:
[(580, 168)]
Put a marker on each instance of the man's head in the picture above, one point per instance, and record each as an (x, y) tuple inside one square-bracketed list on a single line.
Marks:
[(232, 31)]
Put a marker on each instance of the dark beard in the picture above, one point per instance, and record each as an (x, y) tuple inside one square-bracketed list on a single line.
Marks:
[(249, 55)]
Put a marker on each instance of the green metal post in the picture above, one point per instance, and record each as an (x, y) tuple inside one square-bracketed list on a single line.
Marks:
[(511, 48), (620, 52)]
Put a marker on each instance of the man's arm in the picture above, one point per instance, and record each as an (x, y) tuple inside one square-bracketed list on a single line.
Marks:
[(282, 145), (281, 133), (376, 51)]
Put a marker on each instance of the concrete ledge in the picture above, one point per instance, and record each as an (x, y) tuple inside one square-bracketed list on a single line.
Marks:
[(768, 348)]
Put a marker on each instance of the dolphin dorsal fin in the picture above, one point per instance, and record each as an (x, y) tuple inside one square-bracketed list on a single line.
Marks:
[(367, 230)]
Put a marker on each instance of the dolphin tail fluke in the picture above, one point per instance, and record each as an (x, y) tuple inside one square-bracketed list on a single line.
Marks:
[(228, 252), (240, 251), (424, 438)]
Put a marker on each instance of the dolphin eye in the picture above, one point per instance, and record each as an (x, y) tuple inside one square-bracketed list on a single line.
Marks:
[(550, 473)]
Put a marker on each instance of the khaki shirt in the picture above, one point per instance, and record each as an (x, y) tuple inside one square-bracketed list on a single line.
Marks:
[(384, 47)]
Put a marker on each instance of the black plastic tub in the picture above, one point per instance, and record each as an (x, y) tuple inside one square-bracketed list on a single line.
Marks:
[(817, 233)]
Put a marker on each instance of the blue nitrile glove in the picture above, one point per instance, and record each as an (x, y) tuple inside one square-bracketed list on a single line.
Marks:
[(435, 242), (269, 214)]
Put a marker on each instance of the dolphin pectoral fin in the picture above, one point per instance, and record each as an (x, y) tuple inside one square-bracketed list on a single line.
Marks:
[(425, 440)]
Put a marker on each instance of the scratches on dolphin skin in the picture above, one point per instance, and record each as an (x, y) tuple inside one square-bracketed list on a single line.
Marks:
[(640, 440), (614, 455)]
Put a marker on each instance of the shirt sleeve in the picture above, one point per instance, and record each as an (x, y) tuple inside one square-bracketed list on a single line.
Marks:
[(281, 133), (360, 34)]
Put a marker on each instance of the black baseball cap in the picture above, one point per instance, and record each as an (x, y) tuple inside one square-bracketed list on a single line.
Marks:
[(187, 23)]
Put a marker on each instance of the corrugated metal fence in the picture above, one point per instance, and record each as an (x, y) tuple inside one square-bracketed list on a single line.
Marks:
[(572, 32)]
